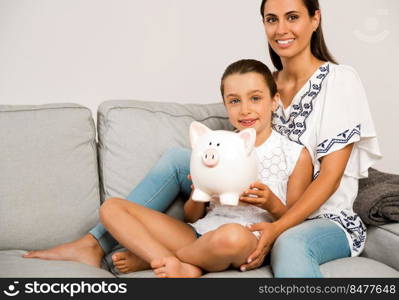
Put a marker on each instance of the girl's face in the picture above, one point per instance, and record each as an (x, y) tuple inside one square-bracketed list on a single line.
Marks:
[(289, 27), (249, 104)]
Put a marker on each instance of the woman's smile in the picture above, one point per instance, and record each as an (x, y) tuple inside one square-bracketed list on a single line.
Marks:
[(284, 43)]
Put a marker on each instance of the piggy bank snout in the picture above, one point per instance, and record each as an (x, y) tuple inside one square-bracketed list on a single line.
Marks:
[(210, 158)]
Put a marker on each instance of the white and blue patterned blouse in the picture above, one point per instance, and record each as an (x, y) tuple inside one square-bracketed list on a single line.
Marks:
[(327, 114)]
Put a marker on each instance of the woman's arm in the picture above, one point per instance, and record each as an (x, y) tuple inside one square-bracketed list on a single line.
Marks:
[(319, 191)]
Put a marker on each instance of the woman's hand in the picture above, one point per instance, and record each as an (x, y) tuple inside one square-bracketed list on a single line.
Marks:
[(262, 193), (269, 234)]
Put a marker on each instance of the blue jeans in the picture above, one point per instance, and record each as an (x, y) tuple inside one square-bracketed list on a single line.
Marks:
[(157, 190), (300, 250)]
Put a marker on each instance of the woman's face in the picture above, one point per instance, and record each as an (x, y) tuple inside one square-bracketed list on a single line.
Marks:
[(288, 26), (248, 103)]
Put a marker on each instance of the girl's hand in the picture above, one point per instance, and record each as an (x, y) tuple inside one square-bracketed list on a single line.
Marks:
[(193, 210), (268, 235), (189, 178), (262, 193)]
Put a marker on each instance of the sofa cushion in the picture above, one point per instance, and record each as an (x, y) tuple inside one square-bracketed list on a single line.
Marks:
[(263, 272), (357, 267), (382, 244), (49, 187), (12, 265), (134, 134)]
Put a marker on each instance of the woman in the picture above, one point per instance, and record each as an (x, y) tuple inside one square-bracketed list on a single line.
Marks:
[(323, 107)]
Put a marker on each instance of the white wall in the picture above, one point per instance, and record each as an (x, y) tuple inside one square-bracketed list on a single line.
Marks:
[(88, 51)]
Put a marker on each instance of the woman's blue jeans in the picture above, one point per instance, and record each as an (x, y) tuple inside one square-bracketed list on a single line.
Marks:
[(300, 250), (157, 190), (297, 252)]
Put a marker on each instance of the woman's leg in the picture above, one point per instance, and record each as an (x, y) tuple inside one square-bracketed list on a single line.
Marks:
[(216, 250), (147, 233), (299, 251), (157, 190)]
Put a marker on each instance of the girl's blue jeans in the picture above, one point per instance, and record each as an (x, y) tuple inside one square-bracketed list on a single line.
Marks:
[(297, 252), (157, 190)]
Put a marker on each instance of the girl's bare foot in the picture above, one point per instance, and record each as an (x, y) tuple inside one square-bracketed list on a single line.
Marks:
[(127, 262), (85, 250), (172, 267)]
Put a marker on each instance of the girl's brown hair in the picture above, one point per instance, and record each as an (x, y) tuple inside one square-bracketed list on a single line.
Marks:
[(247, 66)]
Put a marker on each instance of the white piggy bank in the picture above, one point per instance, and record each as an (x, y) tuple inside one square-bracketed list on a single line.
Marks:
[(223, 163)]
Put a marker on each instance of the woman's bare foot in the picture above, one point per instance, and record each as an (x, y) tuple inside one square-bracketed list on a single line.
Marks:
[(85, 250), (127, 262), (172, 267)]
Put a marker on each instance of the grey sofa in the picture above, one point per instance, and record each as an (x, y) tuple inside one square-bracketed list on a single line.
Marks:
[(54, 175)]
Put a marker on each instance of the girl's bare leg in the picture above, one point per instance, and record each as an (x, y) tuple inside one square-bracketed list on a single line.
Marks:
[(147, 233), (216, 250)]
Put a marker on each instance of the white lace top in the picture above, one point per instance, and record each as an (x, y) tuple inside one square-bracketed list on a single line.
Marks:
[(277, 159)]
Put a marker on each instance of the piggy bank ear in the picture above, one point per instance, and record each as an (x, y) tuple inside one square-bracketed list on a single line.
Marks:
[(249, 137), (196, 131)]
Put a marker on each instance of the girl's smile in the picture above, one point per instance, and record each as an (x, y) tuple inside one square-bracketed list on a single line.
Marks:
[(247, 122)]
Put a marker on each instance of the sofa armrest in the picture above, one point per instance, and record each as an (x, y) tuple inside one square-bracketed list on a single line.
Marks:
[(382, 244)]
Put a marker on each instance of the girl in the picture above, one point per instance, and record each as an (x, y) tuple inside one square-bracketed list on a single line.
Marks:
[(220, 239)]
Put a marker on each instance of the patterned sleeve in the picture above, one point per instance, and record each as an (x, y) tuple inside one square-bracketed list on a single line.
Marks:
[(346, 119)]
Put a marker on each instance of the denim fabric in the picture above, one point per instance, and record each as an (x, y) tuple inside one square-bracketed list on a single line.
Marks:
[(157, 190), (299, 251)]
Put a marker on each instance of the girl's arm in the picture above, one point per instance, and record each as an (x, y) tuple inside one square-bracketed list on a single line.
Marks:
[(332, 169), (299, 180), (193, 210), (319, 191)]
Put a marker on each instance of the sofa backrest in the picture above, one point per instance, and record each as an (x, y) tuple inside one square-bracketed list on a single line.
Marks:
[(134, 134), (49, 186)]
